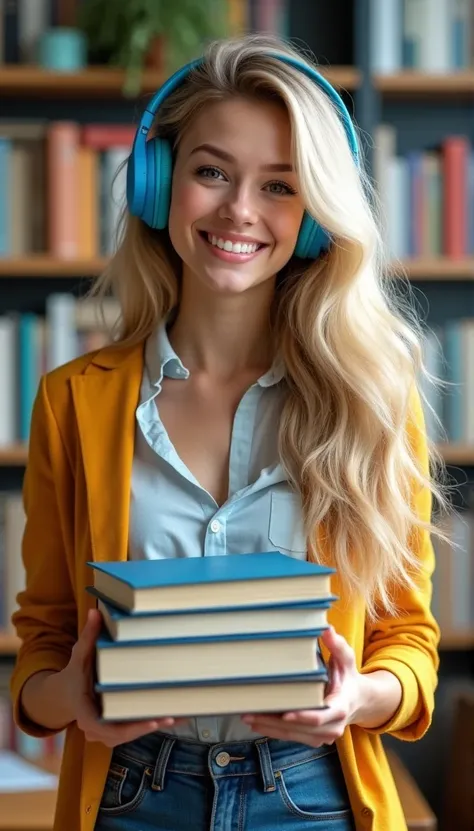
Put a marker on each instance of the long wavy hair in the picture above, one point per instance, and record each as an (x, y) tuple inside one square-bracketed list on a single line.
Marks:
[(352, 349)]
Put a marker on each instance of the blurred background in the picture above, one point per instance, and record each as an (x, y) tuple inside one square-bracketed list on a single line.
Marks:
[(75, 76)]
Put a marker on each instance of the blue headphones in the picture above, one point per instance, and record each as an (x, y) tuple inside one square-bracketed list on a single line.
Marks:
[(150, 167)]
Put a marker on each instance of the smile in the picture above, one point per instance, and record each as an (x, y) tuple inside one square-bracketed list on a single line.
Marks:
[(231, 251)]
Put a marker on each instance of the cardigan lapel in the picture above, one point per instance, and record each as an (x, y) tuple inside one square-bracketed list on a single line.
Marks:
[(105, 398)]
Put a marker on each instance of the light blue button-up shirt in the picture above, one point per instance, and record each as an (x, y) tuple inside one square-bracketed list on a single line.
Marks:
[(172, 515)]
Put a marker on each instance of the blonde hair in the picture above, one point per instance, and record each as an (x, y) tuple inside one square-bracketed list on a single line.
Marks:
[(352, 357)]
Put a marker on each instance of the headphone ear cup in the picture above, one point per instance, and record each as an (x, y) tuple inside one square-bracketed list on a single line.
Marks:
[(312, 239), (158, 183), (150, 188), (164, 175)]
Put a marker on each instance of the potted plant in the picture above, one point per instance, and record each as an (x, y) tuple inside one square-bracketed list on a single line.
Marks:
[(134, 34)]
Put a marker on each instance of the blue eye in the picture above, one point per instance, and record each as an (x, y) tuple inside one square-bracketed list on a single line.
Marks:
[(209, 172), (284, 189)]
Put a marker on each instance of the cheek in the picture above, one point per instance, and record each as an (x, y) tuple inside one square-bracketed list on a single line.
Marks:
[(286, 226), (189, 202)]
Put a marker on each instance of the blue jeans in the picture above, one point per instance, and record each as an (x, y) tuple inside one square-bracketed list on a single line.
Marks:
[(161, 783)]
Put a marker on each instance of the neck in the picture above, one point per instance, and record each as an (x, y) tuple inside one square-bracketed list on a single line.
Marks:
[(224, 335)]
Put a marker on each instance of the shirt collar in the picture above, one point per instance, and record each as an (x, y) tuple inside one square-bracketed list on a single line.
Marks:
[(161, 359), (163, 362)]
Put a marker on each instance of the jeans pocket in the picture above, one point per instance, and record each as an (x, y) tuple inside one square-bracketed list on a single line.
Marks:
[(125, 786), (315, 789)]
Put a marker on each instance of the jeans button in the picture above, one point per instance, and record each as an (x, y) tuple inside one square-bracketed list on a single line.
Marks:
[(222, 759)]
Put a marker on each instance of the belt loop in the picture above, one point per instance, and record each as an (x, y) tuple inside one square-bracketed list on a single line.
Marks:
[(266, 766), (158, 782)]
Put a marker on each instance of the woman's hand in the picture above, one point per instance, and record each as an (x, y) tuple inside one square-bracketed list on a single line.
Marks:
[(78, 675), (344, 698)]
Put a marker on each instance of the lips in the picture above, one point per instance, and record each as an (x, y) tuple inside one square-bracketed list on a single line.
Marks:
[(229, 254)]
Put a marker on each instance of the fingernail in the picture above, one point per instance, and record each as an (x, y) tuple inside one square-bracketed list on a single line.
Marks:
[(289, 716), (248, 719)]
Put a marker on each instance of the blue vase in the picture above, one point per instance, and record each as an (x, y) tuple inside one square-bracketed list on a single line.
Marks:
[(62, 49)]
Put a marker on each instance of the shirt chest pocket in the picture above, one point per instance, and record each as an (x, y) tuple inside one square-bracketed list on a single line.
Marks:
[(286, 530)]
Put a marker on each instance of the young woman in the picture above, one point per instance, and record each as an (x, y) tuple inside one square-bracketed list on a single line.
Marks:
[(261, 394)]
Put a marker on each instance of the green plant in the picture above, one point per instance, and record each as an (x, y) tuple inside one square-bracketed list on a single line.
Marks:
[(123, 31)]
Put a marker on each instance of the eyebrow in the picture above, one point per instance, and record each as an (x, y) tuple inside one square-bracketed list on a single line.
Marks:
[(282, 167)]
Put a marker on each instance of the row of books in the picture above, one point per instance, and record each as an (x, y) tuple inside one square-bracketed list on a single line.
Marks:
[(63, 187), (427, 196), (203, 636), (29, 747), (426, 35), (453, 579), (32, 344), (449, 356)]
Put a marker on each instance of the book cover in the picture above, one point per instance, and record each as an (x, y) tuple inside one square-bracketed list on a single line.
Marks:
[(145, 574), (224, 580)]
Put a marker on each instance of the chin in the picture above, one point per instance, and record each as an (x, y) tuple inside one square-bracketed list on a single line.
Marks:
[(232, 283)]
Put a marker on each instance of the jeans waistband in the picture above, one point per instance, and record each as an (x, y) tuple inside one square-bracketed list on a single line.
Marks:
[(262, 756)]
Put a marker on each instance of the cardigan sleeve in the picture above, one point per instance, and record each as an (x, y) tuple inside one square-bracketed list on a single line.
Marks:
[(407, 645), (46, 615)]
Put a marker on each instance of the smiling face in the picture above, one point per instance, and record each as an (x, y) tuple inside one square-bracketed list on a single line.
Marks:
[(235, 211)]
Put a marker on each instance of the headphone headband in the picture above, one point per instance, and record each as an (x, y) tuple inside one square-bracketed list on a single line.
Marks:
[(181, 74)]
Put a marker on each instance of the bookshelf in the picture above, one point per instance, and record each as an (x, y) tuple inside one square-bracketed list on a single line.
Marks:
[(421, 105)]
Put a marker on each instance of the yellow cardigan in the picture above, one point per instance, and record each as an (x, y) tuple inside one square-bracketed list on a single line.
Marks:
[(76, 492)]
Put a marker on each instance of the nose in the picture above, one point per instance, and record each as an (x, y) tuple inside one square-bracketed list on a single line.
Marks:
[(239, 207)]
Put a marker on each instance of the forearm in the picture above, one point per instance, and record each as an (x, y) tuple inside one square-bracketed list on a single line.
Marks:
[(46, 701), (380, 697)]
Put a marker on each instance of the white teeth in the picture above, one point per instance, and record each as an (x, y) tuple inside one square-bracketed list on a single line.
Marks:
[(235, 247)]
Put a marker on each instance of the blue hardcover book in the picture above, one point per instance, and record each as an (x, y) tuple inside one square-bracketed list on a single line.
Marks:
[(211, 582), (188, 659), (29, 375), (276, 693), (123, 626)]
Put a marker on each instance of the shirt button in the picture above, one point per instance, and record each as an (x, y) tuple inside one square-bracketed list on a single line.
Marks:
[(366, 812), (215, 526), (205, 734)]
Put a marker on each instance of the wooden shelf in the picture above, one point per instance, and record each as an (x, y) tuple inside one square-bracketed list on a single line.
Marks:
[(8, 643), (454, 454), (410, 83), (42, 265), (457, 454), (343, 77), (463, 641), (96, 81), (13, 456), (436, 268)]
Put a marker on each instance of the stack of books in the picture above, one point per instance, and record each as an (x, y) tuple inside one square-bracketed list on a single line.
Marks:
[(210, 635)]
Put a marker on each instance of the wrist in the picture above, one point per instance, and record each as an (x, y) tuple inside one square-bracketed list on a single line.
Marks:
[(45, 702), (378, 698)]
